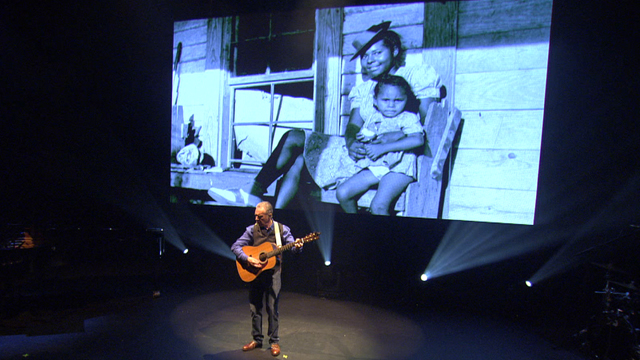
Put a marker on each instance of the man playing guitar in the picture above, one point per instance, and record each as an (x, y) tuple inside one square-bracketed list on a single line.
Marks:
[(266, 285)]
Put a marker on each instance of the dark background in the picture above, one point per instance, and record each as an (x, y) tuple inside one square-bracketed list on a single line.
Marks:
[(86, 93)]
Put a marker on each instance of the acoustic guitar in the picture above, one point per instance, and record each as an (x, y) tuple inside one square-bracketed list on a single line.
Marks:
[(266, 253)]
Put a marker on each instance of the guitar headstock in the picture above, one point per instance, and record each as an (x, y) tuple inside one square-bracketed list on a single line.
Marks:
[(311, 237)]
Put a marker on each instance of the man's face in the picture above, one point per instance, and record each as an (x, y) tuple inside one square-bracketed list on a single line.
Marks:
[(262, 218), (377, 60), (390, 100)]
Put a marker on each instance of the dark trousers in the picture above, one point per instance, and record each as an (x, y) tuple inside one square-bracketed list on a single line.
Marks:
[(265, 289)]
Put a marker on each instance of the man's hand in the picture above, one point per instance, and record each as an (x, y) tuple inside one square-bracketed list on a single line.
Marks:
[(254, 262), (298, 243)]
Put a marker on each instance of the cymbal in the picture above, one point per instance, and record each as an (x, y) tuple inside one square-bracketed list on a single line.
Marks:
[(630, 286), (609, 267)]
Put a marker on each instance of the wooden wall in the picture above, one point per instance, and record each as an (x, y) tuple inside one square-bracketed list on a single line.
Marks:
[(199, 80), (500, 80)]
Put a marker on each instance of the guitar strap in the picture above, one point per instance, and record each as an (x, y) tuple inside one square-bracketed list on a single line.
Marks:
[(277, 229), (278, 238)]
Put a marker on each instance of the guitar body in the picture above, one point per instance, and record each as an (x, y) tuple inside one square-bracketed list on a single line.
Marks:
[(267, 253), (249, 273)]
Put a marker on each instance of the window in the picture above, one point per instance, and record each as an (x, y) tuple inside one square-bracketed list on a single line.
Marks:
[(272, 43), (272, 82)]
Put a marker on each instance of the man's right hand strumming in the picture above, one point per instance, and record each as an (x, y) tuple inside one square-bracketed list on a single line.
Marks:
[(254, 262)]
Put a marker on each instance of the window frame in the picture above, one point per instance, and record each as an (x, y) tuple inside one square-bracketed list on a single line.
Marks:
[(326, 74), (270, 79)]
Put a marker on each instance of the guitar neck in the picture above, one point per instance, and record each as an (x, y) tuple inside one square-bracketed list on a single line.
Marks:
[(283, 248), (280, 250)]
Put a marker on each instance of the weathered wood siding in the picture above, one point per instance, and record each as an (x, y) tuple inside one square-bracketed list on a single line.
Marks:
[(500, 80), (193, 36), (328, 48), (200, 79)]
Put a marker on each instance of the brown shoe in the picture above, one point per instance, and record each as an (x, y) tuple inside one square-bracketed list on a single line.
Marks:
[(252, 345), (275, 349)]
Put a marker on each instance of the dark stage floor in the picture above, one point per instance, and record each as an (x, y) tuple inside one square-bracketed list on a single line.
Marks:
[(116, 316), (215, 326)]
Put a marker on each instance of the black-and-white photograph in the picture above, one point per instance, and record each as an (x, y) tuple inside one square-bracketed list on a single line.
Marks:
[(290, 107)]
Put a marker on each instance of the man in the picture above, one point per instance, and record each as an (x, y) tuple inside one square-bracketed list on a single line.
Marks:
[(267, 284)]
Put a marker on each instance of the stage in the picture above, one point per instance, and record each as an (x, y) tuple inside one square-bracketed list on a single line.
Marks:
[(199, 312), (216, 325)]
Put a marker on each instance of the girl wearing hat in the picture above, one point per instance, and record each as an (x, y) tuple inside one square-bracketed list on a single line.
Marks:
[(332, 159)]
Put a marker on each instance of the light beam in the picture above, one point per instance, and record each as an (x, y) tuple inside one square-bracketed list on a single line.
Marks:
[(320, 217), (467, 245)]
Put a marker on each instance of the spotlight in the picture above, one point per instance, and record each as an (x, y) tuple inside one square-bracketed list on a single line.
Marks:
[(185, 251), (528, 283), (327, 263), (424, 277)]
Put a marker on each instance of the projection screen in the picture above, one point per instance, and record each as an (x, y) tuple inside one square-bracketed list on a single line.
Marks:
[(244, 84)]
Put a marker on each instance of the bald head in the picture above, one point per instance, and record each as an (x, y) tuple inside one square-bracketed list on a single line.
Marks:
[(266, 207)]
